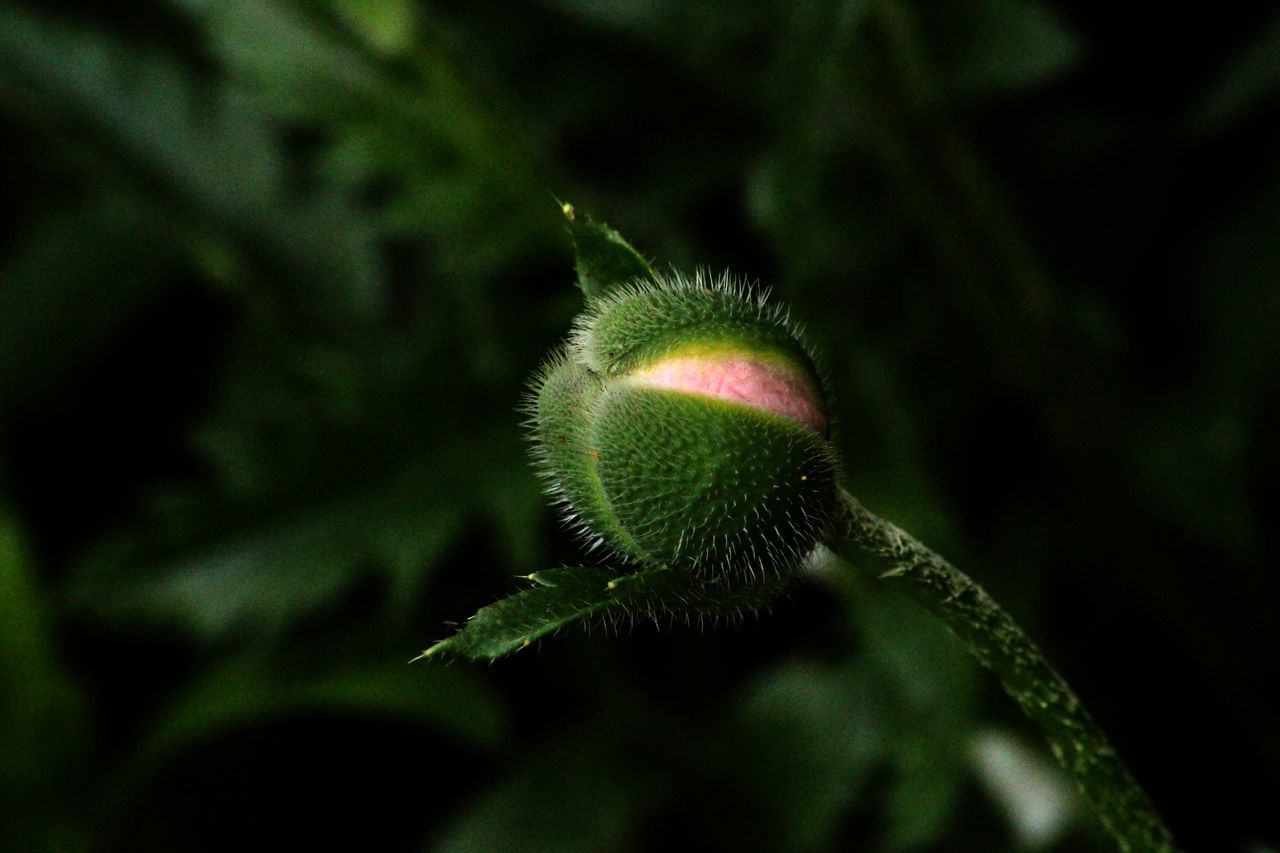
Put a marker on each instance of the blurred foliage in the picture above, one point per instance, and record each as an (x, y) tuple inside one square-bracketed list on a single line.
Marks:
[(272, 275)]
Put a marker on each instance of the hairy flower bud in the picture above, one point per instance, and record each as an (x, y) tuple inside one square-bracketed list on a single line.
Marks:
[(684, 425)]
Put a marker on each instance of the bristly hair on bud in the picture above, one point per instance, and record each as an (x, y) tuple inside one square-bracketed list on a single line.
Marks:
[(681, 429), (684, 425), (642, 319)]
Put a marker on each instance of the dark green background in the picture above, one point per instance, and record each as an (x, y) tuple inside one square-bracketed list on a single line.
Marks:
[(272, 276)]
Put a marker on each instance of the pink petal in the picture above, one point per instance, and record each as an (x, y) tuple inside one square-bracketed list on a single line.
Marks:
[(757, 383)]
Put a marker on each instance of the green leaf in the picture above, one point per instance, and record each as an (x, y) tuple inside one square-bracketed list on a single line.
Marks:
[(42, 715), (1250, 77), (82, 271), (210, 155), (387, 26), (577, 792), (808, 737), (454, 171), (262, 578), (603, 258), (935, 682), (922, 660), (253, 690), (928, 777), (564, 596), (992, 46), (248, 691)]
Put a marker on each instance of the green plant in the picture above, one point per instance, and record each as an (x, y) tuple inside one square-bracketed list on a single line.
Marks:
[(683, 429)]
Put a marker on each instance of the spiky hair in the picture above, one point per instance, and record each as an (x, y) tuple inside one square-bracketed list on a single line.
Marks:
[(661, 477)]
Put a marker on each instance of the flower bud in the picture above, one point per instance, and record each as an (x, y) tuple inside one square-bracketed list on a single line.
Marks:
[(684, 425)]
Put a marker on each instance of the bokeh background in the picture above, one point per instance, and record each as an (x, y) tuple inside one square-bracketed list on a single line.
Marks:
[(272, 276)]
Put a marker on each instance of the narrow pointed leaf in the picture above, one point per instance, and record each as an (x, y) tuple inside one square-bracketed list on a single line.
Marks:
[(565, 596), (603, 259)]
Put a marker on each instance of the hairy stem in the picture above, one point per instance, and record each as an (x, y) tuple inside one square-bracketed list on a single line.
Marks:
[(1002, 647)]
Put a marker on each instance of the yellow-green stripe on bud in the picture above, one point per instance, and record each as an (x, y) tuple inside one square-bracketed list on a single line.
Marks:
[(684, 425)]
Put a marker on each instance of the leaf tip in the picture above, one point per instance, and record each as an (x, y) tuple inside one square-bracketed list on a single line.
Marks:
[(431, 651)]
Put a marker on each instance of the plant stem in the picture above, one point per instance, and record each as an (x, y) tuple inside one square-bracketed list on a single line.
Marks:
[(1000, 645)]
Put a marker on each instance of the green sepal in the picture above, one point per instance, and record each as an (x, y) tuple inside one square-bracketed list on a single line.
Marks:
[(603, 259), (562, 597), (709, 485), (565, 395), (638, 325)]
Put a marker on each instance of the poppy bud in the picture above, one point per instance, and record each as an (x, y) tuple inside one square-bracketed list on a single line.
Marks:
[(684, 425)]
